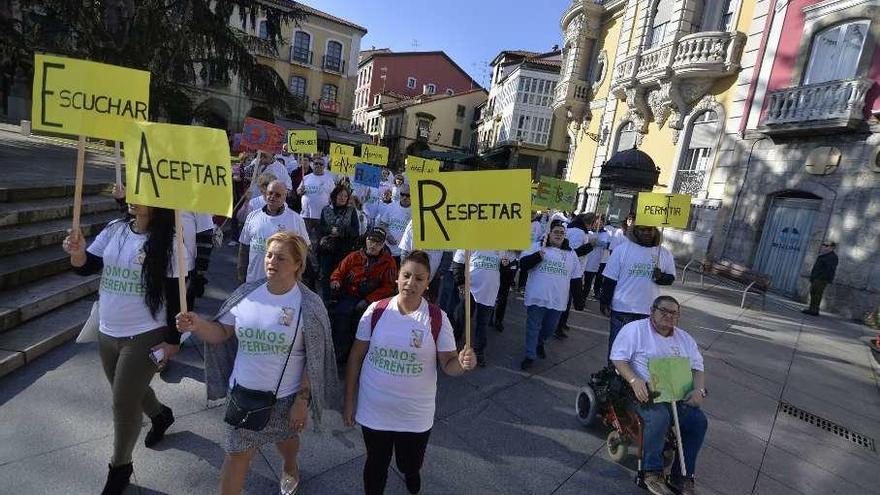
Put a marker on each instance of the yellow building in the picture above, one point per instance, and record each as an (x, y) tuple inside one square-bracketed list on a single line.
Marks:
[(667, 77), (318, 62)]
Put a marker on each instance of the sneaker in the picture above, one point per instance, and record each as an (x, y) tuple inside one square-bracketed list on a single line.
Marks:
[(118, 479), (808, 311), (655, 483), (541, 353), (161, 423), (526, 364), (288, 485), (413, 483), (683, 485)]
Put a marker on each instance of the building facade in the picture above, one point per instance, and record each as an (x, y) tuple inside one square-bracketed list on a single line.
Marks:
[(317, 60), (409, 74), (517, 127)]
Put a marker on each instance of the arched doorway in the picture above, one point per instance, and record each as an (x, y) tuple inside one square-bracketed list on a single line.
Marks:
[(786, 237), (212, 112), (261, 113)]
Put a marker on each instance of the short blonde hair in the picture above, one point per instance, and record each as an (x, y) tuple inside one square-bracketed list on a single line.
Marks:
[(295, 244), (265, 179)]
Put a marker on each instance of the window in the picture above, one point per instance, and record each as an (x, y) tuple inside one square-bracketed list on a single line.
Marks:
[(431, 89), (449, 92), (460, 111), (717, 15), (298, 86), (263, 30), (626, 137), (300, 52), (836, 52), (333, 59), (533, 129), (535, 91), (411, 82), (328, 92), (376, 99), (700, 144), (456, 137), (658, 23), (424, 129)]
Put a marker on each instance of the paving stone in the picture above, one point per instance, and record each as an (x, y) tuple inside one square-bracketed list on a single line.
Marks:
[(792, 471)]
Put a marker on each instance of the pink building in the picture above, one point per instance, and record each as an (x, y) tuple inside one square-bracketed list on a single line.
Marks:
[(406, 73)]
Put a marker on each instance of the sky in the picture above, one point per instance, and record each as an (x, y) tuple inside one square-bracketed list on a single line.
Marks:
[(472, 32)]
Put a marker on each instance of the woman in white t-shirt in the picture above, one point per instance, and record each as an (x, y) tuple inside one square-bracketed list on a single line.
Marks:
[(280, 333), (137, 293), (392, 370)]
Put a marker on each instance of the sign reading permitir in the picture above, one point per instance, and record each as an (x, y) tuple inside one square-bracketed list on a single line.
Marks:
[(83, 98)]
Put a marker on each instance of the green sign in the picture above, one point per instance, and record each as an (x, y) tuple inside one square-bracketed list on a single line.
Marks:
[(555, 193), (672, 377)]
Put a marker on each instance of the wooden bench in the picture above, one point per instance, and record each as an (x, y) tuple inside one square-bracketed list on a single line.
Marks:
[(749, 280)]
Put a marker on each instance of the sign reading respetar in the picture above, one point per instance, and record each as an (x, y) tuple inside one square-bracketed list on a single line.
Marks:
[(376, 155), (418, 165), (471, 210), (663, 210), (178, 167), (85, 98), (302, 141)]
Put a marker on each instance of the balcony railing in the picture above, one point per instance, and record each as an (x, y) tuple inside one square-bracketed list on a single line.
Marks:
[(816, 106), (656, 61), (706, 51), (689, 182), (333, 64), (300, 56)]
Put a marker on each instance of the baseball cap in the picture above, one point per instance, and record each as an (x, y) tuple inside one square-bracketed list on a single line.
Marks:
[(377, 234)]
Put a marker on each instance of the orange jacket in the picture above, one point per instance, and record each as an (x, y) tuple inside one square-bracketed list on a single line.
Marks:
[(365, 278)]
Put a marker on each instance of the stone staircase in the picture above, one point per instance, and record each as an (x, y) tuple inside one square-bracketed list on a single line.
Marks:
[(43, 304)]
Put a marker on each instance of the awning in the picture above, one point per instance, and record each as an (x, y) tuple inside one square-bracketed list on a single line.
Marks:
[(326, 133), (447, 156), (498, 155)]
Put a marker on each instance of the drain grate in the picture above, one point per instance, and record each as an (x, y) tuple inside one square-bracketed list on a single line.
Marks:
[(829, 426)]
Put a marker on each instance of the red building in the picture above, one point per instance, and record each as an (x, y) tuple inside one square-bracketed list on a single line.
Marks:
[(406, 73)]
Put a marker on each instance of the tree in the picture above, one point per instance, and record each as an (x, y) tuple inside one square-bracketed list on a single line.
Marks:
[(177, 41)]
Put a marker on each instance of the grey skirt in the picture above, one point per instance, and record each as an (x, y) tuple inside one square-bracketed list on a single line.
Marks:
[(276, 430)]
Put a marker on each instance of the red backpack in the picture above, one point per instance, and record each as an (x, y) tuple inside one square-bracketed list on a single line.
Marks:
[(433, 310)]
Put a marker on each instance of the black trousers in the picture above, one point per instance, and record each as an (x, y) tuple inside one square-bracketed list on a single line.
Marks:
[(507, 279), (408, 450)]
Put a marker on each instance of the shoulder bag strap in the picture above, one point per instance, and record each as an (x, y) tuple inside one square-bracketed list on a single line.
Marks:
[(290, 350)]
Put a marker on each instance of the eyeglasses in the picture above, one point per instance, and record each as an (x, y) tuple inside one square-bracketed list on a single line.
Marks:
[(402, 195), (667, 312), (274, 194), (827, 244)]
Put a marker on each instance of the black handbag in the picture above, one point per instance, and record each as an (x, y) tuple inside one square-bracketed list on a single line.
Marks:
[(251, 409)]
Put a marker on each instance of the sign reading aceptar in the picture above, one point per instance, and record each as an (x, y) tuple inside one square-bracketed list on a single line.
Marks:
[(82, 98), (663, 210)]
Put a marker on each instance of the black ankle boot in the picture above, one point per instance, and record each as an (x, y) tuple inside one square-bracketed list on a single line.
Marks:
[(413, 483), (161, 422), (117, 479)]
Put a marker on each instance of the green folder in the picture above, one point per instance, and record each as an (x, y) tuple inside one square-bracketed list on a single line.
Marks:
[(672, 377)]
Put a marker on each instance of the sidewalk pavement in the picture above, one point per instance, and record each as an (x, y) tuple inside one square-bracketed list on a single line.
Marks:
[(499, 430)]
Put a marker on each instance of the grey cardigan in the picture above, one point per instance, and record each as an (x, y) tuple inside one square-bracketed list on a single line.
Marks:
[(318, 340)]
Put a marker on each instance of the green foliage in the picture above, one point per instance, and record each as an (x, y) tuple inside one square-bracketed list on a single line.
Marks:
[(178, 41)]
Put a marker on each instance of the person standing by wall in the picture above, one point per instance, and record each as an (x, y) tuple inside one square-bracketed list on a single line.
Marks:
[(821, 276)]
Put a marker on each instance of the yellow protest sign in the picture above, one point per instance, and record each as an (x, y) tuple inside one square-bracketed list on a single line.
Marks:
[(471, 210), (85, 98), (341, 149), (376, 155), (179, 167), (417, 165), (302, 141), (663, 210), (341, 164)]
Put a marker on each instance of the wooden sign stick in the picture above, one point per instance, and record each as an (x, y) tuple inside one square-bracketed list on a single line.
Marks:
[(678, 438), (78, 185), (181, 260), (117, 161), (467, 298)]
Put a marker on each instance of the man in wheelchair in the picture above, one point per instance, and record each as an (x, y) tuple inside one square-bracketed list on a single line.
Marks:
[(636, 344)]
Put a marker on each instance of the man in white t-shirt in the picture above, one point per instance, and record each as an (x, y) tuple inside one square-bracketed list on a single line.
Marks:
[(636, 345), (394, 219), (582, 245), (259, 226), (485, 271), (632, 277), (315, 191), (198, 237), (265, 162), (290, 162)]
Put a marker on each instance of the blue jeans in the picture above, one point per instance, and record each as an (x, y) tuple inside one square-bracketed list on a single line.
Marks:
[(657, 419), (617, 321), (540, 324), (479, 320)]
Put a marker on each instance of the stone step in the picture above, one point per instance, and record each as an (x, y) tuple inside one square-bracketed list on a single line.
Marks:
[(26, 342), (19, 238), (41, 210), (60, 190), (22, 268), (37, 298)]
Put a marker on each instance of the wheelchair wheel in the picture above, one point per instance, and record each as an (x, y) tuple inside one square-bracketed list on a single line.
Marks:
[(618, 448), (585, 405)]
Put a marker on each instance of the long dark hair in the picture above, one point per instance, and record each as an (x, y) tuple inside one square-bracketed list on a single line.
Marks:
[(158, 249)]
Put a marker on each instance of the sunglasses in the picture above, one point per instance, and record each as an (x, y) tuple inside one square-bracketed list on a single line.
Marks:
[(667, 312)]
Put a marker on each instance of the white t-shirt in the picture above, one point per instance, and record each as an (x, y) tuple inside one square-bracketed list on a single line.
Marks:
[(290, 162), (398, 384), (395, 217), (485, 274), (406, 245), (577, 238), (265, 325), (599, 253), (194, 223), (537, 232), (256, 203), (273, 168), (316, 194), (617, 238), (548, 283), (258, 227), (123, 311), (638, 343), (371, 199), (632, 266)]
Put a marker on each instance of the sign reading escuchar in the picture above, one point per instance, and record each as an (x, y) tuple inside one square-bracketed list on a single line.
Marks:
[(376, 155), (555, 194), (178, 167), (418, 165), (663, 210), (302, 141), (79, 97), (472, 210)]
